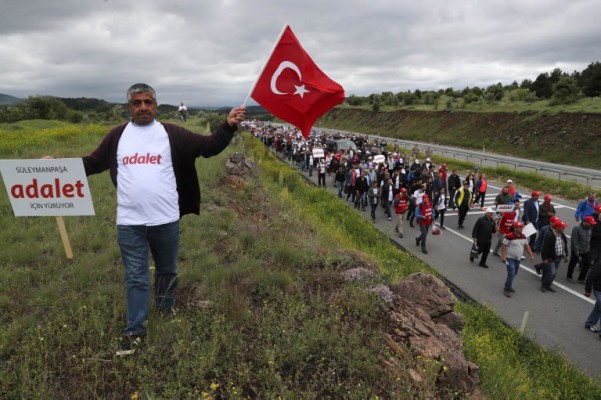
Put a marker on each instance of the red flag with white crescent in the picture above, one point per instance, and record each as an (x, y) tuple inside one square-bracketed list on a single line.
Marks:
[(293, 88)]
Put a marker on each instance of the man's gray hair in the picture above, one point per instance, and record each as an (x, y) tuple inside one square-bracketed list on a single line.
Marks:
[(140, 88)]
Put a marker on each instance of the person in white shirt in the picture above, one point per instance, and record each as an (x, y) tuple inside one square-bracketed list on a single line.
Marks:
[(152, 165), (183, 112)]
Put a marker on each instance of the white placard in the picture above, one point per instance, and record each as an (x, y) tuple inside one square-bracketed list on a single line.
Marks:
[(503, 208), (318, 153), (39, 188), (529, 230), (379, 159)]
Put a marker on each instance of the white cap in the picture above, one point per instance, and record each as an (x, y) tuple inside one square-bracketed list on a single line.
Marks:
[(509, 181), (428, 159), (490, 210)]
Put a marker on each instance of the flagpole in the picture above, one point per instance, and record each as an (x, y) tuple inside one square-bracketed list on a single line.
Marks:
[(265, 63)]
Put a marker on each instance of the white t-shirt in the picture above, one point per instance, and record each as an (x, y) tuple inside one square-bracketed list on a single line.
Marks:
[(146, 188)]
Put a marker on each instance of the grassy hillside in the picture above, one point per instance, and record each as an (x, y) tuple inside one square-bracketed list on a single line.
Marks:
[(562, 137), (262, 309)]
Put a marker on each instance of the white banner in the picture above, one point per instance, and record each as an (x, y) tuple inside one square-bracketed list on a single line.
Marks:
[(379, 159), (529, 230), (318, 153), (503, 208), (55, 187)]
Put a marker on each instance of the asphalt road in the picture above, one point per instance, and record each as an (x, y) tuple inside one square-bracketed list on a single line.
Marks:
[(554, 320)]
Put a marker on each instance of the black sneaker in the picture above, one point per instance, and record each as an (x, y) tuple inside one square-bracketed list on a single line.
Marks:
[(129, 345), (166, 312), (592, 328)]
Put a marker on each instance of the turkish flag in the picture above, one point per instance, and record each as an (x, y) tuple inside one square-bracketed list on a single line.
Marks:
[(293, 88)]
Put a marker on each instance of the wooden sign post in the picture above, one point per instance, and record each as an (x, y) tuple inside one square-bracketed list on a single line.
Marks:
[(48, 187)]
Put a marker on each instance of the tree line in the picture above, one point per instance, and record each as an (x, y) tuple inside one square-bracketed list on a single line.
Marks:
[(88, 110), (557, 87)]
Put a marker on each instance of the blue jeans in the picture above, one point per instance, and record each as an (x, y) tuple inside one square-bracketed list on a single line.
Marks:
[(340, 187), (594, 316), (512, 270), (549, 272), (136, 242)]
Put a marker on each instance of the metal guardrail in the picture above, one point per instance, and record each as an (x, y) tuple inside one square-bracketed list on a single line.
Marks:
[(589, 177)]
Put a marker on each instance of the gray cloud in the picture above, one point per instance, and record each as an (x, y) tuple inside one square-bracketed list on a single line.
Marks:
[(210, 53)]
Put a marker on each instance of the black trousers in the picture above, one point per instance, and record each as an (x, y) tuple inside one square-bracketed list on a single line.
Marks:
[(483, 250), (462, 213)]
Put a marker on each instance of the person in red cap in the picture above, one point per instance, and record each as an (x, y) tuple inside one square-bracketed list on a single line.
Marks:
[(553, 250), (511, 253), (581, 243), (531, 211), (546, 211), (423, 213)]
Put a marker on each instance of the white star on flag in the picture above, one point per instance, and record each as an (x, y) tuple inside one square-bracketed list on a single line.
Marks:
[(300, 90)]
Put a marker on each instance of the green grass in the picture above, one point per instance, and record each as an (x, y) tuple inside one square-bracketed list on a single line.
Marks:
[(262, 309)]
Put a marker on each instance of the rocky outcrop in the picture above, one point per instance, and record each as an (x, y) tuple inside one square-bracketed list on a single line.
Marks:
[(424, 323), (238, 165)]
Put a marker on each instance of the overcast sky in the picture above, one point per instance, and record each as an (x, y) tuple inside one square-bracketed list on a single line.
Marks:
[(209, 53)]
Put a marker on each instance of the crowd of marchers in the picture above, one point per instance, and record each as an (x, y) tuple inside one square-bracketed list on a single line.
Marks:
[(375, 175)]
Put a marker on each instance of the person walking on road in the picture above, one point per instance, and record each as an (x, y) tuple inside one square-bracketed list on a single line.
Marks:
[(595, 251), (439, 206), (374, 199), (581, 244), (546, 211), (553, 250), (463, 201), (401, 204), (505, 224), (586, 207), (531, 211), (482, 235), (593, 284), (453, 183), (481, 186), (511, 253), (423, 213), (504, 197)]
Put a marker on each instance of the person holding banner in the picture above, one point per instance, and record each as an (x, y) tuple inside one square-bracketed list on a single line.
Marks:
[(152, 165)]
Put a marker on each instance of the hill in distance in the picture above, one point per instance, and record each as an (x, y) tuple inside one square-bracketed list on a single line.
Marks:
[(8, 100), (86, 104)]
